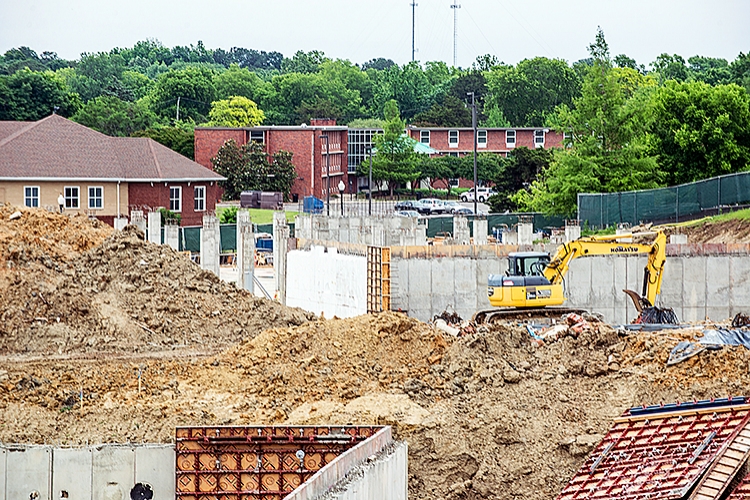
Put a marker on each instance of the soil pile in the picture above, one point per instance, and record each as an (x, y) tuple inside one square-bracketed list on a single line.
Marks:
[(122, 295), (728, 231)]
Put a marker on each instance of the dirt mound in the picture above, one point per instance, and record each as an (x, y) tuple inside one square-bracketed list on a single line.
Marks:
[(728, 231), (124, 295)]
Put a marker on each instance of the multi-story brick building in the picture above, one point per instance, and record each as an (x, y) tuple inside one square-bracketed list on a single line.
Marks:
[(104, 177), (460, 141), (319, 152)]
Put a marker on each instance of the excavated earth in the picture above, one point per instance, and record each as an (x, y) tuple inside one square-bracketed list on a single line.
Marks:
[(141, 348)]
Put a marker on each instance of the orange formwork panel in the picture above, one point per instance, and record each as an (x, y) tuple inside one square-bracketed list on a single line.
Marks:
[(256, 462), (662, 452)]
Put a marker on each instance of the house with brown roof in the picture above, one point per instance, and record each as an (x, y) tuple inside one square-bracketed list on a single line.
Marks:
[(98, 175)]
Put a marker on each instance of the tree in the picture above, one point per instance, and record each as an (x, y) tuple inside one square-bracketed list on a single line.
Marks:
[(194, 86), (395, 160), (249, 167), (516, 172), (670, 68), (712, 70), (237, 81), (31, 95), (700, 131), (112, 116), (379, 63), (304, 62), (451, 112), (179, 139), (237, 111)]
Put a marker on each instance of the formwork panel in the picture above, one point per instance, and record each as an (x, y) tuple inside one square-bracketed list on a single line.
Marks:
[(113, 471), (28, 470), (742, 491), (659, 452), (243, 463), (72, 473), (155, 466)]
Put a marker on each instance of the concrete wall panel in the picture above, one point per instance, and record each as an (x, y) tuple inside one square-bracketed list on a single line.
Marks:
[(694, 288), (113, 473), (718, 286), (739, 277), (443, 282), (72, 472), (28, 470), (156, 466)]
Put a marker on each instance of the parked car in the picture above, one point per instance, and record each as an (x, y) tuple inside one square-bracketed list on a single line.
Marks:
[(405, 205), (427, 206), (463, 211), (407, 213), (451, 206), (482, 194)]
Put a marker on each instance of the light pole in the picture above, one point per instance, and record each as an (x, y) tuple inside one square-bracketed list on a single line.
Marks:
[(369, 187), (328, 177), (341, 195), (474, 126)]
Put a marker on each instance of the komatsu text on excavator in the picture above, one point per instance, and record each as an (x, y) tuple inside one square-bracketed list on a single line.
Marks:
[(534, 280)]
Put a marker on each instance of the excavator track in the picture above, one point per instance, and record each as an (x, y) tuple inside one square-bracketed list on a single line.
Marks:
[(526, 315)]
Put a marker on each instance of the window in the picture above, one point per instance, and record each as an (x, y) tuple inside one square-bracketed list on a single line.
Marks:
[(175, 199), (481, 138), (96, 197), (256, 136), (453, 183), (453, 153), (71, 194), (510, 138), (568, 139), (424, 137), (453, 138), (539, 138), (31, 196), (199, 197)]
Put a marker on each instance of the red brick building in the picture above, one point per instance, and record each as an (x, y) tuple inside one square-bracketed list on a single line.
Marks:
[(460, 141), (313, 156), (101, 176)]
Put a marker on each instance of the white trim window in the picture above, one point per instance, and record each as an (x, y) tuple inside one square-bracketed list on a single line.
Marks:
[(481, 138), (453, 138), (96, 197), (510, 139), (424, 137), (72, 196), (539, 138), (257, 136), (31, 196), (175, 198), (199, 198)]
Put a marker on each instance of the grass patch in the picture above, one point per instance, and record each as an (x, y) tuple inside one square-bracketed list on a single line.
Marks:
[(261, 216), (743, 214)]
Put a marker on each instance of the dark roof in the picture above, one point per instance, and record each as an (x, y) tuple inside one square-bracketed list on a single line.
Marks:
[(56, 148)]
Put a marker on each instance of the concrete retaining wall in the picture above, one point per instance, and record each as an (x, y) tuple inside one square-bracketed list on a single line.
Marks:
[(86, 473), (320, 279)]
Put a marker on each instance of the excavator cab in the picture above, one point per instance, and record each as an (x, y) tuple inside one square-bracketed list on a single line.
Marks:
[(527, 264), (524, 283)]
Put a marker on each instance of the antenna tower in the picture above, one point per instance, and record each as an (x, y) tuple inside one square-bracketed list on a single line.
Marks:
[(455, 8), (413, 14)]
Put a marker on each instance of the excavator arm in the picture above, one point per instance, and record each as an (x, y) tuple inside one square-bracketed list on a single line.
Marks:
[(613, 245)]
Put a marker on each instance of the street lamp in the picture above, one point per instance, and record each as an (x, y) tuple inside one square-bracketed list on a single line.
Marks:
[(474, 126), (341, 195), (328, 177)]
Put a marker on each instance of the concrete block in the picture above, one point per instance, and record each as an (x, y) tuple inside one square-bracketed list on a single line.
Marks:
[(718, 285), (525, 233), (113, 472), (572, 232), (172, 236), (120, 223), (420, 285), (509, 238), (480, 231), (694, 286), (464, 275), (138, 219), (671, 286), (154, 227), (210, 241), (678, 239), (578, 283), (443, 284), (155, 465), (739, 279), (72, 472), (28, 470)]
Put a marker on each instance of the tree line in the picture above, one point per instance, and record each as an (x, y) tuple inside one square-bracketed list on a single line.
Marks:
[(627, 125)]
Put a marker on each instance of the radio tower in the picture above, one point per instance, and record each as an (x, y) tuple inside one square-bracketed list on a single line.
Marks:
[(455, 6), (413, 5)]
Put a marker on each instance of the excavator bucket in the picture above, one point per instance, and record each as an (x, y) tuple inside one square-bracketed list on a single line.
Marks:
[(638, 301)]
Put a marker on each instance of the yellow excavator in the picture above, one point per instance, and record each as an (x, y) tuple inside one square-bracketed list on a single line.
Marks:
[(534, 280)]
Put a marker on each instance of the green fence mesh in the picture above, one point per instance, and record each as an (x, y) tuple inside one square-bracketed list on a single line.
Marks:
[(673, 204), (190, 237)]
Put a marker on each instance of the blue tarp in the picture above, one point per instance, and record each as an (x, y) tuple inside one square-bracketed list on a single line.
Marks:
[(712, 339)]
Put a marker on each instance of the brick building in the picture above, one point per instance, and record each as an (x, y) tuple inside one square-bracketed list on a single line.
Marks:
[(460, 141), (98, 175), (313, 156)]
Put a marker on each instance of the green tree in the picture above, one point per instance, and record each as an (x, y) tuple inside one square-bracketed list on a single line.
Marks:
[(249, 167), (112, 116), (237, 111), (516, 172), (31, 95), (193, 85), (237, 81), (304, 62), (395, 160), (700, 131), (670, 68), (451, 112), (180, 139)]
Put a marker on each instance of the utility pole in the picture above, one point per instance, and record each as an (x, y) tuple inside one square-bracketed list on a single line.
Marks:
[(455, 6), (328, 177), (474, 126), (369, 187), (413, 14), (178, 110)]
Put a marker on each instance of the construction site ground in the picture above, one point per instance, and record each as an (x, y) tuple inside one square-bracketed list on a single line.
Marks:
[(105, 338)]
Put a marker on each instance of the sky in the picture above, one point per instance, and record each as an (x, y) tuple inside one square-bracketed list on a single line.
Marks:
[(360, 30)]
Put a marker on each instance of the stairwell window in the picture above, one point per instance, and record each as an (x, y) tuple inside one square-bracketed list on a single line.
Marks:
[(424, 137), (175, 198), (72, 196), (199, 197), (453, 138), (539, 138), (96, 197), (510, 139), (481, 138), (31, 196)]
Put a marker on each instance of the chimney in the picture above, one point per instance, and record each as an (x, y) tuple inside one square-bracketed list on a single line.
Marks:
[(322, 122)]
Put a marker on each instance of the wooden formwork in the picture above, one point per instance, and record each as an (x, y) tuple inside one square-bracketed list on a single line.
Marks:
[(378, 279)]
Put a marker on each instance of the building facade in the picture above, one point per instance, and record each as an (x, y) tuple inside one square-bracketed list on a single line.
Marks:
[(459, 141), (97, 175), (319, 152)]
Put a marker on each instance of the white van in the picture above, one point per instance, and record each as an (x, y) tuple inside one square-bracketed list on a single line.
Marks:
[(482, 194)]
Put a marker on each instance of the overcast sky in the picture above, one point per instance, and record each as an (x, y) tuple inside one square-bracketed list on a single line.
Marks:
[(361, 30)]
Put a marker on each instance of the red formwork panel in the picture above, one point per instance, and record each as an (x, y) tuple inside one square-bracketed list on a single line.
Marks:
[(658, 453), (256, 462), (742, 491)]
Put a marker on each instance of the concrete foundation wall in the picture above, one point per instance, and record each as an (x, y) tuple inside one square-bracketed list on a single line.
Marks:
[(322, 280), (87, 473)]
